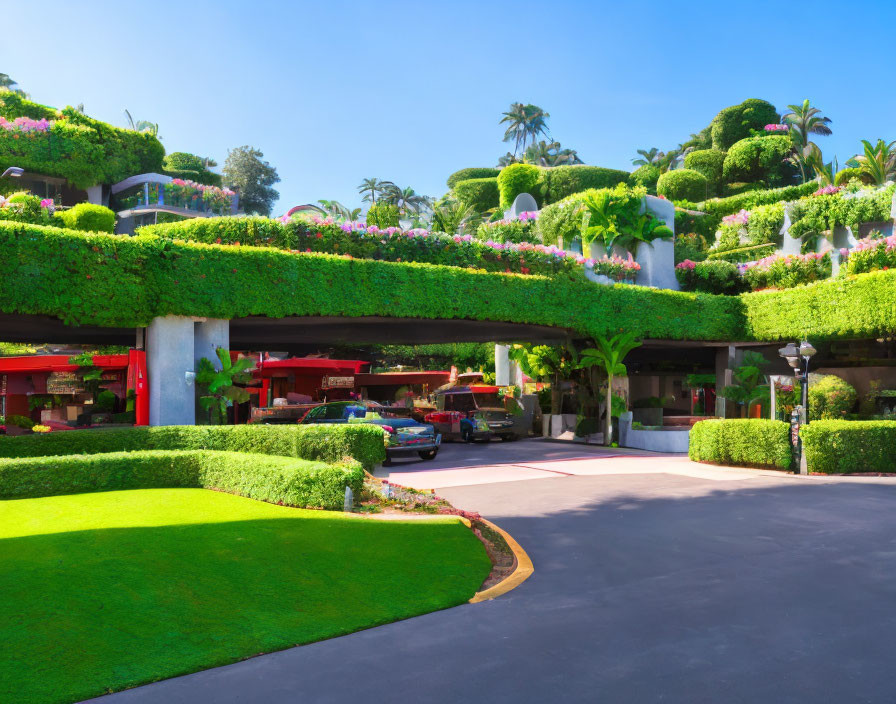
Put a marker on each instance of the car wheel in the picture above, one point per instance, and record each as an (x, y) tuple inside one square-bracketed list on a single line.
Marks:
[(428, 454)]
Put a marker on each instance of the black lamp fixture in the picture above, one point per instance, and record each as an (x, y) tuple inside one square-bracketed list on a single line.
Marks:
[(798, 357)]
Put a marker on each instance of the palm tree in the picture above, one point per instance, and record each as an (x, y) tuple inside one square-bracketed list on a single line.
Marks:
[(807, 120), (524, 123), (544, 154), (507, 159), (648, 156), (372, 187), (142, 125), (609, 353), (805, 156), (878, 163), (407, 200), (339, 211)]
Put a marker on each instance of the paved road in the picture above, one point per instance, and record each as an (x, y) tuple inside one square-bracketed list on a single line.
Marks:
[(648, 587)]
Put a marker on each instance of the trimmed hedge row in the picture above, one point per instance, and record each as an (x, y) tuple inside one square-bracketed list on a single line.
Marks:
[(95, 279), (279, 480), (560, 182), (842, 446), (331, 443), (475, 172), (744, 442), (481, 193)]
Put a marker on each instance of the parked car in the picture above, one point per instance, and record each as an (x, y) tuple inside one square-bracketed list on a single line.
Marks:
[(484, 408), (457, 425), (406, 436)]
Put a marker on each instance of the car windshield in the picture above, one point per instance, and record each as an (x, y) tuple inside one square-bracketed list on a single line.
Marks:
[(488, 400)]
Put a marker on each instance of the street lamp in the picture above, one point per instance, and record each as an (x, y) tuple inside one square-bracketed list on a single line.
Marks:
[(13, 172), (798, 358)]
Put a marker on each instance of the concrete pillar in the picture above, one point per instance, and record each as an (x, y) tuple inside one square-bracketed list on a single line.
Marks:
[(209, 335), (502, 365), (726, 360), (95, 195), (169, 360), (657, 259)]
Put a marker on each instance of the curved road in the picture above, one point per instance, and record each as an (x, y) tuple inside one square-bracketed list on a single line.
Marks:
[(656, 580)]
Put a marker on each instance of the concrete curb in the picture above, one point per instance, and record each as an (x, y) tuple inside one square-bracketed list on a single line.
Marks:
[(520, 574)]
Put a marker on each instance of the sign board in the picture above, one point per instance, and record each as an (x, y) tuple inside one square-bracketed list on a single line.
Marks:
[(338, 382), (64, 383)]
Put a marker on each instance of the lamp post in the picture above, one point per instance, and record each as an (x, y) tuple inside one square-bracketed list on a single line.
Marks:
[(798, 358)]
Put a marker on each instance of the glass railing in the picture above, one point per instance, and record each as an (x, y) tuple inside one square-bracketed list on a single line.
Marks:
[(185, 195)]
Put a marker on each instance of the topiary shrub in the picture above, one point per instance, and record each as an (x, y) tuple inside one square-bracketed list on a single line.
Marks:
[(743, 442), (843, 446), (709, 163), (471, 173), (280, 480), (682, 184), (383, 215), (481, 193), (88, 217), (558, 182), (846, 175), (757, 158), (734, 123), (830, 398), (710, 276), (516, 179), (645, 176)]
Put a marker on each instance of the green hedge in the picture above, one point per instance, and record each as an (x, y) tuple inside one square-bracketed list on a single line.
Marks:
[(383, 215), (331, 443), (748, 443), (735, 123), (481, 193), (189, 166), (558, 182), (646, 176), (78, 148), (709, 163), (710, 276), (93, 279), (758, 158), (88, 217), (279, 480), (475, 172), (516, 179), (682, 184), (845, 446)]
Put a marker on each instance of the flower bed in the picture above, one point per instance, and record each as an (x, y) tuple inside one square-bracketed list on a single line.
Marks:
[(787, 271), (517, 230), (25, 125), (869, 254), (615, 267), (198, 196)]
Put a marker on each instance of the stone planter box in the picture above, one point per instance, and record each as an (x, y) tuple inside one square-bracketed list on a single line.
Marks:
[(647, 416), (673, 440)]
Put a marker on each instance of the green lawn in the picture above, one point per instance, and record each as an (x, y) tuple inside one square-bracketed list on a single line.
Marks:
[(110, 590)]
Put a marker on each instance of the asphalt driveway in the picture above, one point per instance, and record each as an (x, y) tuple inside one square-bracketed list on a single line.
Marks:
[(649, 587)]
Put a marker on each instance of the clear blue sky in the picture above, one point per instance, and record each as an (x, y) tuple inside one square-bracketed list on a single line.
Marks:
[(333, 92)]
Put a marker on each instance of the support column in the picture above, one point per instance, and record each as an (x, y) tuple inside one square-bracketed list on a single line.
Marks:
[(210, 334), (502, 365), (170, 359), (95, 195), (726, 360)]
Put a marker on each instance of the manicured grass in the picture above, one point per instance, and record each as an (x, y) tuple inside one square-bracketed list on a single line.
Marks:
[(110, 590)]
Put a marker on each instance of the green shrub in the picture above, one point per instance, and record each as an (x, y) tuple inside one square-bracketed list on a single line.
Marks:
[(645, 176), (870, 254), (758, 158), (363, 443), (682, 184), (516, 179), (817, 214), (764, 223), (475, 172), (746, 442), (741, 255), (88, 217), (112, 281), (735, 123), (513, 230), (720, 207), (383, 215), (710, 276), (279, 480), (786, 271), (846, 446), (739, 187), (709, 163), (481, 193), (561, 219), (831, 398), (559, 182), (189, 166), (846, 175), (687, 221), (26, 208), (690, 246)]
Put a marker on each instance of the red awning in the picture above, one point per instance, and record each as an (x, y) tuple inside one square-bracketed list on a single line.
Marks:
[(310, 365), (58, 363)]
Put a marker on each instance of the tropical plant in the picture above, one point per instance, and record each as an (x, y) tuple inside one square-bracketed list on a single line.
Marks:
[(339, 211), (524, 124), (750, 376), (878, 163), (246, 172), (507, 159), (806, 120), (648, 156), (370, 188), (544, 363), (550, 154), (407, 200), (452, 216), (608, 354), (217, 387), (142, 125)]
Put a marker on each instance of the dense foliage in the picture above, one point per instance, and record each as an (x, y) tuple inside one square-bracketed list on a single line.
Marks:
[(737, 122), (830, 398), (840, 446), (709, 163), (515, 230), (682, 184), (645, 176), (710, 276), (481, 193), (190, 167), (747, 443), (787, 270), (516, 179), (382, 215), (472, 173), (759, 158), (78, 148), (560, 182), (88, 217), (869, 254), (817, 214), (247, 172), (115, 281)]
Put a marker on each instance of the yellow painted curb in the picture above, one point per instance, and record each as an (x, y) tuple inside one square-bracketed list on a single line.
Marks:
[(520, 574)]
